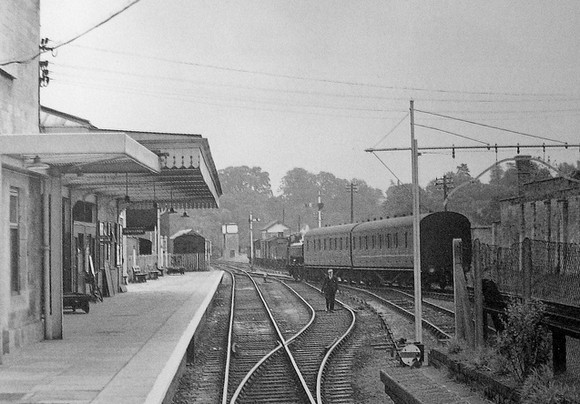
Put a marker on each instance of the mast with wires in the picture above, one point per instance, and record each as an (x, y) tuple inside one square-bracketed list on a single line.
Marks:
[(416, 229)]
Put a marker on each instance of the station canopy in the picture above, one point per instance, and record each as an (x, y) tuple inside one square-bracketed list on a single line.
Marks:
[(150, 168)]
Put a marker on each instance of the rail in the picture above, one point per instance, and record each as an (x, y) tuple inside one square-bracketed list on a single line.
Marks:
[(283, 345)]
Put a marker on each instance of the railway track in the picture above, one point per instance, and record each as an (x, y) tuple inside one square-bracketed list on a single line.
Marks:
[(283, 358), (438, 320)]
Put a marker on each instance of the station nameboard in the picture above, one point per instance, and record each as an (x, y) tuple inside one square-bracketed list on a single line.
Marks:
[(141, 220)]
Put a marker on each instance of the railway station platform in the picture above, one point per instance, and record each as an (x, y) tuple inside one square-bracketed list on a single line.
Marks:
[(127, 349)]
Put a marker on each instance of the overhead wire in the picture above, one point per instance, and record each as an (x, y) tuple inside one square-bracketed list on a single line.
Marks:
[(68, 41), (392, 130), (490, 126), (451, 133)]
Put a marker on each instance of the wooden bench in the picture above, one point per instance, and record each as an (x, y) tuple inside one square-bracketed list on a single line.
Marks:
[(139, 276)]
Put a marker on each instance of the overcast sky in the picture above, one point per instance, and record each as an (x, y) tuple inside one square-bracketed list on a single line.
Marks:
[(312, 84)]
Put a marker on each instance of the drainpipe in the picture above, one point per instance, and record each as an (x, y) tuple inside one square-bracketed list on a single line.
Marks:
[(47, 312)]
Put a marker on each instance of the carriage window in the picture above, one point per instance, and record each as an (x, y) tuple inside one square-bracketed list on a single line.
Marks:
[(406, 240), (373, 246), (360, 242), (324, 244), (381, 241), (354, 243), (396, 240), (388, 241), (366, 242), (340, 244)]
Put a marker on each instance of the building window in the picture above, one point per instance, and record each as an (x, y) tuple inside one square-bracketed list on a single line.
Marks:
[(84, 212), (14, 240)]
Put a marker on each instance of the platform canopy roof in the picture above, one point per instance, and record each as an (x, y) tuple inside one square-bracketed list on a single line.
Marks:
[(151, 168)]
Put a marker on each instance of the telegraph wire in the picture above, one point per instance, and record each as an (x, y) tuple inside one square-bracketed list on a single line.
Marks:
[(184, 98), (322, 80), (53, 48), (283, 103), (283, 91)]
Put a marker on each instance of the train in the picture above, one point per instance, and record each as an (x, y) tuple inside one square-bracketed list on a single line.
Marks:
[(374, 252)]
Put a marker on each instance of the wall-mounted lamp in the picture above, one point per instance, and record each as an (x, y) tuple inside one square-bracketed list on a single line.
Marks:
[(171, 210), (38, 166)]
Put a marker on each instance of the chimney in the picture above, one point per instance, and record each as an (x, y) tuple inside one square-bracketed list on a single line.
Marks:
[(524, 171)]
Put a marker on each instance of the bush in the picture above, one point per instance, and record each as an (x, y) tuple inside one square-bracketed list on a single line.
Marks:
[(540, 387), (525, 342)]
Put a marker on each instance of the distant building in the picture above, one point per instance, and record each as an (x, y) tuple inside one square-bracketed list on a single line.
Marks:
[(274, 228)]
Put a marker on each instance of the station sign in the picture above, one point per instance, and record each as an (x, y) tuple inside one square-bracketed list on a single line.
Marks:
[(134, 231)]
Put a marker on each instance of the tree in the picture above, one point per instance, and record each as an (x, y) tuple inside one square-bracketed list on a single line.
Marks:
[(245, 179)]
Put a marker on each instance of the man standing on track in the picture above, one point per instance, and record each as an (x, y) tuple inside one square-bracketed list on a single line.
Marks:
[(329, 288)]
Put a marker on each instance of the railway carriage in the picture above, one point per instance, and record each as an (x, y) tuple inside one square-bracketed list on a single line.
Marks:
[(381, 251)]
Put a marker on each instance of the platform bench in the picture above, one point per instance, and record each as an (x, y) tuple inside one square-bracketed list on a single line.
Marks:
[(76, 301), (139, 276)]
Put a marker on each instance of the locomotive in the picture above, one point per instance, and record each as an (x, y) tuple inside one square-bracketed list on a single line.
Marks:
[(381, 251)]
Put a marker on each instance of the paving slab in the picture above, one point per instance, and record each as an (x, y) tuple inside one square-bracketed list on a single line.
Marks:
[(126, 350)]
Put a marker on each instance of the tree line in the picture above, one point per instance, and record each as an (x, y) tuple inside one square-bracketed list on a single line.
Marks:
[(249, 190)]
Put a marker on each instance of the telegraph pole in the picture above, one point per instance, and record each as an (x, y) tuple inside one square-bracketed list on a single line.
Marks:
[(416, 229), (320, 206), (447, 183), (352, 188)]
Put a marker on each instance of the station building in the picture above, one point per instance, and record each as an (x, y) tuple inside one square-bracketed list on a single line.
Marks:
[(547, 210), (66, 187)]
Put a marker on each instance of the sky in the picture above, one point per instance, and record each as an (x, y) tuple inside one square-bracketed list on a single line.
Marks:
[(313, 84)]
